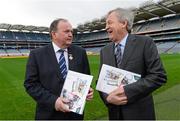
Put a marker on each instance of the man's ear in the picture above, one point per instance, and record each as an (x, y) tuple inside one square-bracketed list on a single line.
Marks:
[(125, 23), (53, 34)]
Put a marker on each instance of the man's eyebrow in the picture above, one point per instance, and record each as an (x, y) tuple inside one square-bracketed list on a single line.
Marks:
[(69, 30)]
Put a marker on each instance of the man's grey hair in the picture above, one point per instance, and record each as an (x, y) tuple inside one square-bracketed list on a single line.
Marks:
[(53, 26), (124, 15)]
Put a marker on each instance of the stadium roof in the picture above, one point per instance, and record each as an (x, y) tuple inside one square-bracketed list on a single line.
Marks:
[(23, 27), (151, 9), (146, 11)]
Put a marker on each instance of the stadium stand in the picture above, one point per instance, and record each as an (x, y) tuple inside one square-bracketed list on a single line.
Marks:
[(3, 52), (160, 20), (13, 52), (24, 52), (165, 46)]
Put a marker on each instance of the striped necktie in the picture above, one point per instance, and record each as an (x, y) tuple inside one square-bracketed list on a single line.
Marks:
[(118, 55), (62, 64)]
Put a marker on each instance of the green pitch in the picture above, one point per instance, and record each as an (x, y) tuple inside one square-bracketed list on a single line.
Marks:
[(16, 104)]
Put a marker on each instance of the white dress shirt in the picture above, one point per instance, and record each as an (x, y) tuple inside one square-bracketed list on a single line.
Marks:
[(58, 54), (123, 44)]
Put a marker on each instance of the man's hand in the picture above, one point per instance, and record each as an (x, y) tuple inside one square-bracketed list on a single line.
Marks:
[(90, 94), (117, 97), (60, 105)]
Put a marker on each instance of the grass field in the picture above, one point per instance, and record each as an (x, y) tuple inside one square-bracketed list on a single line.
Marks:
[(16, 104)]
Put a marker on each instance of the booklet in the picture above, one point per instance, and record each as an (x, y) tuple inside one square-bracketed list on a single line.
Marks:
[(111, 77), (75, 89)]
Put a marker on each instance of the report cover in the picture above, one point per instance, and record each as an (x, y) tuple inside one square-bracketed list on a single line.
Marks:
[(75, 89), (111, 77)]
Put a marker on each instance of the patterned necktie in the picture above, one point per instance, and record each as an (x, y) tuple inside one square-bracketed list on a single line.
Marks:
[(62, 64), (118, 55)]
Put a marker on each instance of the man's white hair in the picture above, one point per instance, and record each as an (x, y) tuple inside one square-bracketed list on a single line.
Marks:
[(124, 15)]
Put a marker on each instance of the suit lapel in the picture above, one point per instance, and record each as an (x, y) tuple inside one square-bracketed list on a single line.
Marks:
[(128, 51), (54, 61), (112, 55), (70, 58)]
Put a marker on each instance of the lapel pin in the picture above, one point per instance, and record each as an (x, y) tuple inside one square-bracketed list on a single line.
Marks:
[(70, 56)]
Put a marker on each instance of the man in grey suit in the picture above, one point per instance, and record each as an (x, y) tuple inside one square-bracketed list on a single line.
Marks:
[(133, 53)]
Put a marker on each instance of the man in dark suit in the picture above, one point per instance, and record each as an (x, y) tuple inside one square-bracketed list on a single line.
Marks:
[(136, 54), (47, 69)]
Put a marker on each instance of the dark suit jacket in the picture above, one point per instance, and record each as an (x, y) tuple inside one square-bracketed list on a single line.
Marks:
[(43, 81), (140, 56)]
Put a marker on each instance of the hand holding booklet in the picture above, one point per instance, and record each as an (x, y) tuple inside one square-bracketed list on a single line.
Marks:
[(110, 78), (75, 90)]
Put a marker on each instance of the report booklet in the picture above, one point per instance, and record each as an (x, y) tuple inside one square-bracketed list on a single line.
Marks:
[(75, 90), (111, 77)]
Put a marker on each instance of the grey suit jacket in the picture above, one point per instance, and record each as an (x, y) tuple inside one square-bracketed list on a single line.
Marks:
[(140, 56)]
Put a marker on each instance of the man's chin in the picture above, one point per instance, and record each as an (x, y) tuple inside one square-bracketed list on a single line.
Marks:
[(68, 44), (112, 39)]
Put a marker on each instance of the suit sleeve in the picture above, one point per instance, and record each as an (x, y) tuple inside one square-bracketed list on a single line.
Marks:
[(154, 78), (102, 95), (33, 86)]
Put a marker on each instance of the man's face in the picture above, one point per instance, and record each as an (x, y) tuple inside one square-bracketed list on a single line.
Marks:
[(64, 34), (114, 27)]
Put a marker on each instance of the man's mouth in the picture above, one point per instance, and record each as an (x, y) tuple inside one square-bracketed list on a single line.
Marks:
[(69, 39), (109, 31)]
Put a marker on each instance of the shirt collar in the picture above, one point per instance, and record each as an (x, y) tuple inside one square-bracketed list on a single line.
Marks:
[(56, 48), (123, 41)]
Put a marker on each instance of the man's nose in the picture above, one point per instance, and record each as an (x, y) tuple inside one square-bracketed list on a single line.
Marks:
[(70, 34), (107, 27)]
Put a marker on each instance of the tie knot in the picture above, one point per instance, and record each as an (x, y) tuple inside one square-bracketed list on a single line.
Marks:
[(117, 49), (61, 50), (118, 45)]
